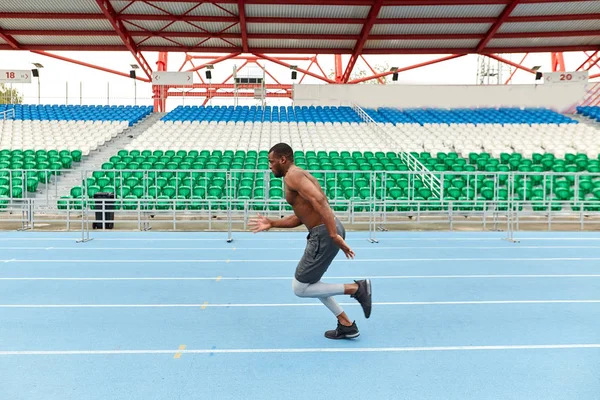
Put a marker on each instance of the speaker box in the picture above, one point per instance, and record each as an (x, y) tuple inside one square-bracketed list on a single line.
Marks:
[(395, 76), (132, 74), (294, 74), (208, 75), (35, 73)]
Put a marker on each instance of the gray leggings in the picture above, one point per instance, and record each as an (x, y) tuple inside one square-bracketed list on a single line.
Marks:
[(321, 291)]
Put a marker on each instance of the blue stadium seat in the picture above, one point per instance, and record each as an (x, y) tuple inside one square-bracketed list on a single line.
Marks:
[(56, 112), (592, 112)]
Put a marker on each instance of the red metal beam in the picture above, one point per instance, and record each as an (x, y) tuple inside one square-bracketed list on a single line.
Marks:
[(270, 86), (160, 92), (8, 39), (275, 36), (290, 50), (215, 61), (308, 69), (595, 62), (213, 94), (594, 76), (43, 53), (279, 20), (515, 71), (494, 28), (370, 2), (364, 35), (558, 62), (110, 15), (277, 61), (505, 61), (424, 64), (590, 58), (380, 79), (242, 13)]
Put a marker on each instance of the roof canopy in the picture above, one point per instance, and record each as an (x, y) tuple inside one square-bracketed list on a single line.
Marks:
[(302, 26)]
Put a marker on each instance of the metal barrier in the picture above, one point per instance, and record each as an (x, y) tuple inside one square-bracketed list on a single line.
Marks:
[(7, 114), (369, 199)]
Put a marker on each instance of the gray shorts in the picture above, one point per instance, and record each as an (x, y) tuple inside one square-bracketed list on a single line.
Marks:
[(320, 252)]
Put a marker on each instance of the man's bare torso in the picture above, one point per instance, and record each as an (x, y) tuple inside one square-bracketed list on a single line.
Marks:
[(301, 206)]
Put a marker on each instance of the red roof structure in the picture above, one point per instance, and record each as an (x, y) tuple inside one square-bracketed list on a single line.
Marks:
[(261, 27)]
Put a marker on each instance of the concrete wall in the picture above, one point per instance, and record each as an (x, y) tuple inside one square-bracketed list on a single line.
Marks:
[(557, 97)]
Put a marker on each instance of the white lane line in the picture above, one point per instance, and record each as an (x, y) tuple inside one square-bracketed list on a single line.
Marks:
[(316, 304), (304, 350), (7, 261), (287, 278), (362, 260), (301, 237), (226, 248)]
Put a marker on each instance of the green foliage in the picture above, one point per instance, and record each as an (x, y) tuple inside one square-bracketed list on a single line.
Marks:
[(361, 71), (10, 95)]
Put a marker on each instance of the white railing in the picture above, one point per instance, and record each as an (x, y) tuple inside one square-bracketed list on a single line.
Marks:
[(7, 114), (429, 179), (591, 98)]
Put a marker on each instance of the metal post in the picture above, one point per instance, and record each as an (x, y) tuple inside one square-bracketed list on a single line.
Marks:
[(85, 223), (67, 92), (372, 210), (511, 206), (228, 189)]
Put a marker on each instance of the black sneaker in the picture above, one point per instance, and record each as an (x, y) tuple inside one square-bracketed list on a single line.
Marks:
[(363, 296), (343, 332)]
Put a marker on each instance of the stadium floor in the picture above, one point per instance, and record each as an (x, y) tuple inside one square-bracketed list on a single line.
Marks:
[(158, 315)]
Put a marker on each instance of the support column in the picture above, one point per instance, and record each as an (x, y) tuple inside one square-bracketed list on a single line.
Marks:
[(338, 68), (558, 62), (160, 92)]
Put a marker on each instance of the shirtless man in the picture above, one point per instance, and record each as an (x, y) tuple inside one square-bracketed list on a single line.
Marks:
[(325, 239)]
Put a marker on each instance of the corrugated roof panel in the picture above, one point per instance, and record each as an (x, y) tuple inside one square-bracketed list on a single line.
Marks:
[(213, 11), (325, 29), (303, 11), (215, 42), (147, 25), (57, 24), (208, 9), (421, 44), (533, 42), (567, 7), (75, 40), (158, 41), (492, 10), (54, 6), (293, 43), (423, 29), (198, 26), (549, 26)]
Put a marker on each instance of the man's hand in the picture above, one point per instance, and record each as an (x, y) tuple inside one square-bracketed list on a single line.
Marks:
[(260, 224), (342, 245)]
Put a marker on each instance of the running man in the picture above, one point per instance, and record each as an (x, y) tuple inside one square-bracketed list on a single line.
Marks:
[(325, 239)]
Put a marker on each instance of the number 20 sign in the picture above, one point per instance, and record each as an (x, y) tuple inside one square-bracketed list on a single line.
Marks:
[(565, 77)]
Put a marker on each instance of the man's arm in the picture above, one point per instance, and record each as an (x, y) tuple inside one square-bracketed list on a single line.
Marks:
[(291, 221), (261, 223)]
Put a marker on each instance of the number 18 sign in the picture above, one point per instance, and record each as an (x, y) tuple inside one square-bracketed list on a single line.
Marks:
[(15, 76)]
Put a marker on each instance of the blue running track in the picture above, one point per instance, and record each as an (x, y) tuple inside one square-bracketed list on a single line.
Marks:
[(164, 315)]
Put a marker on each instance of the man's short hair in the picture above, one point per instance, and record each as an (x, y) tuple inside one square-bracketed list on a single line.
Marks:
[(283, 150)]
